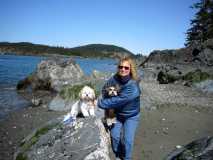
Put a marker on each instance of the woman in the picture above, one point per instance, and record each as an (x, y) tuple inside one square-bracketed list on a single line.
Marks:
[(126, 106)]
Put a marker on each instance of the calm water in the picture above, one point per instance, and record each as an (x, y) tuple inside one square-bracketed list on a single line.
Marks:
[(14, 68)]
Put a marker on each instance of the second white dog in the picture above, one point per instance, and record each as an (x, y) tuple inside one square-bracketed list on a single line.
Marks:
[(86, 104)]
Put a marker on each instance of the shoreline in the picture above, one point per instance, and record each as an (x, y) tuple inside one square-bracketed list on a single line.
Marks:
[(53, 55)]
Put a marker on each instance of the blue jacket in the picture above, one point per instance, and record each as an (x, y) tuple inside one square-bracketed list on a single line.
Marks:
[(127, 103)]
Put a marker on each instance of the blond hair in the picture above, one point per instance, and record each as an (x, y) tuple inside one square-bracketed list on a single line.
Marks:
[(133, 69)]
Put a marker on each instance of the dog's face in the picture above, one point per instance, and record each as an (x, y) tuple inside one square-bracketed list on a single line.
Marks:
[(112, 91), (87, 93)]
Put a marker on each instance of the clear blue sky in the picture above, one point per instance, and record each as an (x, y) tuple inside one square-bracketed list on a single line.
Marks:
[(137, 25)]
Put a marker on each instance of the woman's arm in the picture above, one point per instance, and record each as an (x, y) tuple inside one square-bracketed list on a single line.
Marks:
[(128, 93)]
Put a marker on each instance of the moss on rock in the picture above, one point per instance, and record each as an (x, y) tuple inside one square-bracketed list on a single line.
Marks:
[(21, 156), (197, 76), (27, 144)]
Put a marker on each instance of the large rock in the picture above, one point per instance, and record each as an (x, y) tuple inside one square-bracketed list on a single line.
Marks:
[(201, 149), (86, 139), (206, 56), (195, 54), (53, 75), (58, 73), (50, 76), (167, 56), (165, 78), (168, 74)]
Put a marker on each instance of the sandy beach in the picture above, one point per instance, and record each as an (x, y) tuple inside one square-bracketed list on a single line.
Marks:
[(161, 130), (164, 124)]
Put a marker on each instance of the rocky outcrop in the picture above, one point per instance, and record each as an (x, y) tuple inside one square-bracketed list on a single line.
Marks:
[(166, 56), (190, 78), (50, 77), (165, 78), (83, 139), (53, 75), (198, 149), (195, 54)]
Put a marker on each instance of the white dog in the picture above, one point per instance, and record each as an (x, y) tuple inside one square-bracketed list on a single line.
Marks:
[(86, 104)]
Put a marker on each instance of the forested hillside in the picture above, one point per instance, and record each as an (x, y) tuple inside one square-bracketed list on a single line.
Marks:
[(92, 50)]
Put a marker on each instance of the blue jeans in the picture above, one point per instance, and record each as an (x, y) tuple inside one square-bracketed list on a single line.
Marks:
[(122, 134)]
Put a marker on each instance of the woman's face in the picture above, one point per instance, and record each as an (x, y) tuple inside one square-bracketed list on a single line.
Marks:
[(124, 68)]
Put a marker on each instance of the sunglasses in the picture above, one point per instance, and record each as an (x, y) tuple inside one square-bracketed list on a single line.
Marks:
[(125, 67)]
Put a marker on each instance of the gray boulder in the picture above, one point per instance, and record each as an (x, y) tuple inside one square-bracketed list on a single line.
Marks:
[(206, 56), (48, 79), (201, 149), (83, 139), (58, 73), (194, 54), (53, 75)]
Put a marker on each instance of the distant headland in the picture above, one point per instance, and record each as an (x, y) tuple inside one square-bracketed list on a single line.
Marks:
[(91, 50)]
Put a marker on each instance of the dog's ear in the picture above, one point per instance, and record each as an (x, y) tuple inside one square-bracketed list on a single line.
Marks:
[(107, 89)]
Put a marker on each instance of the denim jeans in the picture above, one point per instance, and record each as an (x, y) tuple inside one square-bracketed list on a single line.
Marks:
[(122, 134)]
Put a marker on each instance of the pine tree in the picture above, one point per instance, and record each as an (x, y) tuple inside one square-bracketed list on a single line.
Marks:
[(202, 25)]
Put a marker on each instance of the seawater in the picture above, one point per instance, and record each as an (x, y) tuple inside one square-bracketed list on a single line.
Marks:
[(14, 68)]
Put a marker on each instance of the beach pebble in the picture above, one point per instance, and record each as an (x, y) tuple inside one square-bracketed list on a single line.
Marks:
[(178, 146), (196, 111), (157, 132), (51, 155), (165, 130), (162, 147)]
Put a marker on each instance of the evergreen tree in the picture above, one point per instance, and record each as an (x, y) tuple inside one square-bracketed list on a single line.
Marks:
[(202, 25)]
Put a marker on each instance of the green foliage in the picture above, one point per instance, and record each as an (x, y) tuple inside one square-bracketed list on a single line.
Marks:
[(192, 77), (202, 24), (44, 130), (26, 145), (72, 92), (196, 76), (21, 156)]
